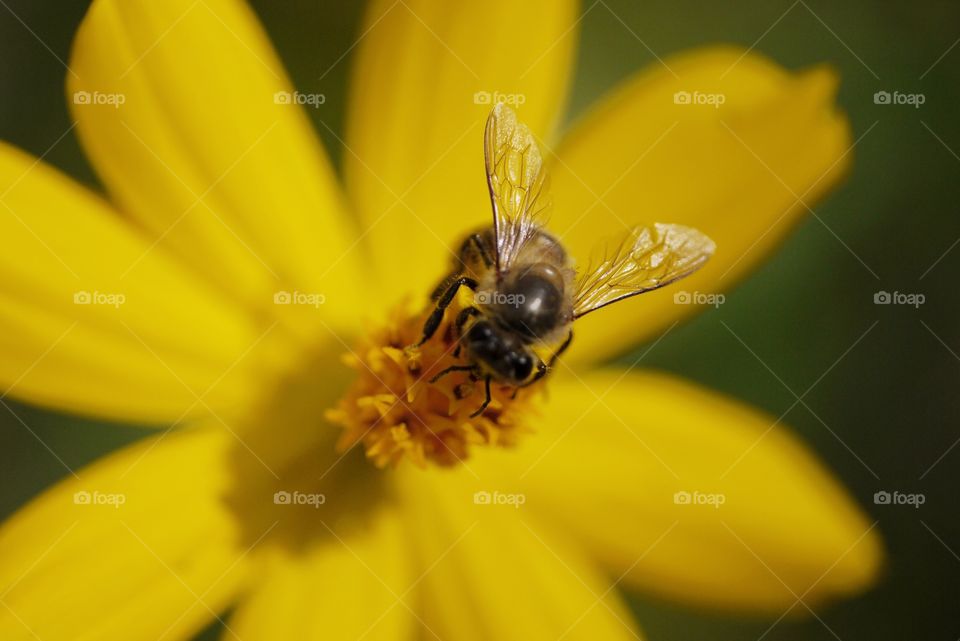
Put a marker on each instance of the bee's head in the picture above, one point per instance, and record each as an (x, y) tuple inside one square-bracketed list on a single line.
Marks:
[(501, 352)]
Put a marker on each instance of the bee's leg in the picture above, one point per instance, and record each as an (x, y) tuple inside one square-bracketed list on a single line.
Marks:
[(486, 400), (451, 369), (443, 301), (443, 285), (465, 314), (561, 350), (477, 241)]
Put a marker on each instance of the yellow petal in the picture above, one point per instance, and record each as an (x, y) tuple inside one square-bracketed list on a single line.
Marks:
[(93, 320), (350, 586), (422, 78), (178, 108), (735, 172), (139, 545), (494, 571), (757, 523)]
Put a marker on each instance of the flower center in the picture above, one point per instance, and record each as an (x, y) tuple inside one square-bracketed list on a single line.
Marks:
[(396, 409)]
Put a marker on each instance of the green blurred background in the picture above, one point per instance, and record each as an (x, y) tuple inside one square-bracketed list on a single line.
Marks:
[(887, 411)]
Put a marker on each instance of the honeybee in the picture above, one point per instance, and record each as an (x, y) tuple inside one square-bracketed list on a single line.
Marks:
[(527, 292)]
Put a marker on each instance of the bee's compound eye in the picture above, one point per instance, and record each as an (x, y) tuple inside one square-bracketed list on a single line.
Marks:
[(480, 331), (522, 367)]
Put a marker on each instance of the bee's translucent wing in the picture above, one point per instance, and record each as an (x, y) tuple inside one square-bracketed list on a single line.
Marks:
[(517, 180), (646, 258)]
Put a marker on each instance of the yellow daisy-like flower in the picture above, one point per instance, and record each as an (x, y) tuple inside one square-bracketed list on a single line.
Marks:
[(218, 286)]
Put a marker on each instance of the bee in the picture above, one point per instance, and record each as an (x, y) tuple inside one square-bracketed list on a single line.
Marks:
[(527, 292)]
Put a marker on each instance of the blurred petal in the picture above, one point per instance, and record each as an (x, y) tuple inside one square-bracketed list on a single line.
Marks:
[(346, 588), (94, 321), (733, 171), (202, 154), (616, 448), (492, 571), (424, 76), (132, 548)]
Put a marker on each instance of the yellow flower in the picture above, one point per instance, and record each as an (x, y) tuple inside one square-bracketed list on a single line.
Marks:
[(217, 286)]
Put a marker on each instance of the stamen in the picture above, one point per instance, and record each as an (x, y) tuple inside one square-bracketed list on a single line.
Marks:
[(395, 410)]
